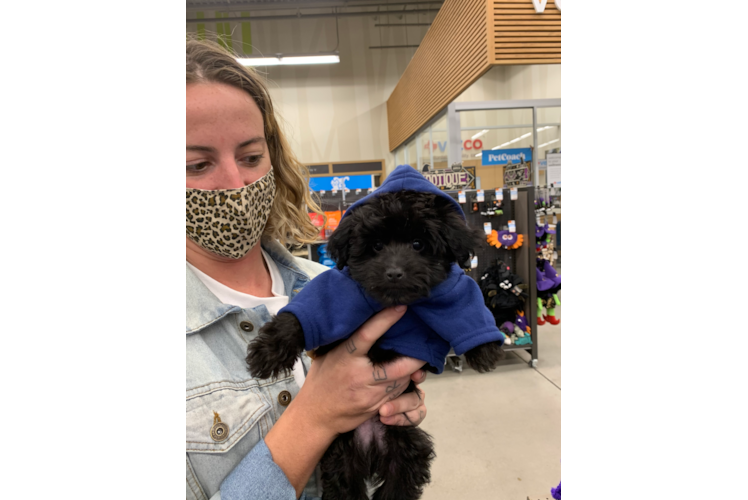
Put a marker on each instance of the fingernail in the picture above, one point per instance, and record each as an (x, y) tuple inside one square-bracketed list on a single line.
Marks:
[(400, 308), (386, 410)]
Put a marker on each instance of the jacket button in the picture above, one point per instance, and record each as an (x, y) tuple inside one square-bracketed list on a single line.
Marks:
[(220, 431), (246, 326), (284, 398)]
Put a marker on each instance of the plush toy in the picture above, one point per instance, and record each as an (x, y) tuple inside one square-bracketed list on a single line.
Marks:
[(510, 240), (493, 239), (503, 291), (548, 284), (556, 492)]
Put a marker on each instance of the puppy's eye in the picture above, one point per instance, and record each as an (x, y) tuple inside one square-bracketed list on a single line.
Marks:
[(378, 246), (417, 245)]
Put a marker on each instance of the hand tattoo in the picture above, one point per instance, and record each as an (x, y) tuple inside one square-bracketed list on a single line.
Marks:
[(350, 346), (379, 373), (392, 387)]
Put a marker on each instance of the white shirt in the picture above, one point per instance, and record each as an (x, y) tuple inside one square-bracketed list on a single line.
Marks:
[(245, 301)]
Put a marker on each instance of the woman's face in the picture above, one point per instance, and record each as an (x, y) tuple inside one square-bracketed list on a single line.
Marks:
[(226, 147)]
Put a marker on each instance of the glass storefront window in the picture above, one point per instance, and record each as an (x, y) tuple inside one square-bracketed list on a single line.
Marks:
[(549, 130), (494, 129)]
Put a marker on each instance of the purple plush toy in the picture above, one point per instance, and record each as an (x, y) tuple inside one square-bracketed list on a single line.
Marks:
[(556, 492)]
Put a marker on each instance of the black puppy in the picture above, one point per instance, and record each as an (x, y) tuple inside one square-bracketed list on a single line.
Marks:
[(397, 246)]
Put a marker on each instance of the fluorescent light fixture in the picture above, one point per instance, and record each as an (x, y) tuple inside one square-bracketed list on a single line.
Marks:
[(281, 60), (513, 140), (551, 142), (478, 134), (545, 128)]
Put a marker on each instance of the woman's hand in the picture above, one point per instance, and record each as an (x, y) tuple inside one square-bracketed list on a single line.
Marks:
[(343, 388), (408, 409)]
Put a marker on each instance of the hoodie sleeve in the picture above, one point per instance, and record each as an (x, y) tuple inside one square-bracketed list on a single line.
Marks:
[(460, 317), (317, 307)]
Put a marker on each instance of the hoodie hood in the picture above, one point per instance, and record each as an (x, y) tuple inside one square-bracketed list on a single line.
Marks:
[(405, 177)]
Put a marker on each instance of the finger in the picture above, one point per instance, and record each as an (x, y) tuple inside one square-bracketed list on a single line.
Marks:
[(411, 418), (405, 403), (362, 339), (401, 367), (419, 376)]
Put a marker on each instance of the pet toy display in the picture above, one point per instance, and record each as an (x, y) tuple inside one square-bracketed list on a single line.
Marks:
[(505, 295), (400, 245), (505, 239), (323, 258), (548, 284)]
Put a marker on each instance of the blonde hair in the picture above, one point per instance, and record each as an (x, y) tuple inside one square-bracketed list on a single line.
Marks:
[(208, 62)]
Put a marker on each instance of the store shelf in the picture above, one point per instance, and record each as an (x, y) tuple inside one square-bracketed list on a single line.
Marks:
[(513, 347)]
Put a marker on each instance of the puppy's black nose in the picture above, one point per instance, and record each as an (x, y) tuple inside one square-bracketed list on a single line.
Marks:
[(394, 274)]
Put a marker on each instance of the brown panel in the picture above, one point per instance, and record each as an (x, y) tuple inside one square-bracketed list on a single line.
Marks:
[(453, 54), (319, 168), (354, 167), (655, 39), (466, 38), (517, 21)]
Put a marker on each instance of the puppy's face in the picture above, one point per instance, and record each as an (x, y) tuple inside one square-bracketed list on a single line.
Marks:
[(400, 245)]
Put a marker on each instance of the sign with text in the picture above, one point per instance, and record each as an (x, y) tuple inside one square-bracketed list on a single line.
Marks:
[(504, 156), (341, 182), (448, 180)]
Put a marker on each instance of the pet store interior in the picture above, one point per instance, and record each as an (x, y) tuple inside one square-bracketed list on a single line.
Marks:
[(467, 92)]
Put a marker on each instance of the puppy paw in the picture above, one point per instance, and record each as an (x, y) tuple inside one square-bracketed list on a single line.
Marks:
[(275, 349), (484, 358)]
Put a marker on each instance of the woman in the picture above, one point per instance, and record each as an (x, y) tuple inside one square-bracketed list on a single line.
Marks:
[(249, 438)]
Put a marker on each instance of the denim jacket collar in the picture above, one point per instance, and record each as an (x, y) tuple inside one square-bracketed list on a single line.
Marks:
[(204, 308)]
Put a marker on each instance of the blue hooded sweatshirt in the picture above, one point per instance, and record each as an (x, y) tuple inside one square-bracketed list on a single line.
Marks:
[(332, 306)]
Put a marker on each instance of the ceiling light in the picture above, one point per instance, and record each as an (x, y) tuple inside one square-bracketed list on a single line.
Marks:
[(545, 128), (280, 59), (551, 142), (513, 140), (478, 134)]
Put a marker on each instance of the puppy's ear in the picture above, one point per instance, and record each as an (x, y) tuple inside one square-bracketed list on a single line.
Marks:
[(461, 239), (338, 246)]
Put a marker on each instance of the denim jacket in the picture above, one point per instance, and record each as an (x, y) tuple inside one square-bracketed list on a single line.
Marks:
[(218, 383)]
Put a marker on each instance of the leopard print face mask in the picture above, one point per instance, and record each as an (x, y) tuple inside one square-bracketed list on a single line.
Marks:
[(229, 222)]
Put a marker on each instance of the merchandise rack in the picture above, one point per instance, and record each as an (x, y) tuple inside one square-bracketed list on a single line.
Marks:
[(521, 261)]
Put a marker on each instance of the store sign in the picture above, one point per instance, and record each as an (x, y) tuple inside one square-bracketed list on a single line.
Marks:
[(517, 175), (448, 180), (504, 156), (442, 145), (539, 5), (340, 183)]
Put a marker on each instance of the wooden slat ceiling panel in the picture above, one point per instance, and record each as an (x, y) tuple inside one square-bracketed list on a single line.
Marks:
[(466, 38), (453, 54), (517, 21)]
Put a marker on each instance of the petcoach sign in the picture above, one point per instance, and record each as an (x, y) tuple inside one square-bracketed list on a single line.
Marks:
[(504, 156)]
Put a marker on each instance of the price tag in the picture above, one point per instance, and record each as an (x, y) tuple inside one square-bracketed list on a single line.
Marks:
[(334, 192), (370, 190), (481, 197), (474, 262), (512, 227), (346, 190), (321, 193), (487, 228), (499, 194), (461, 196), (554, 219), (358, 191), (514, 193)]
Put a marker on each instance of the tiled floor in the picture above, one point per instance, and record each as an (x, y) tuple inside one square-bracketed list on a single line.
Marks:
[(498, 434)]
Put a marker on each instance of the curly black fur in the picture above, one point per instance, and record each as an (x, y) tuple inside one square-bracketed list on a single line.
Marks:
[(398, 246), (399, 222), (277, 346), (484, 358), (400, 462)]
